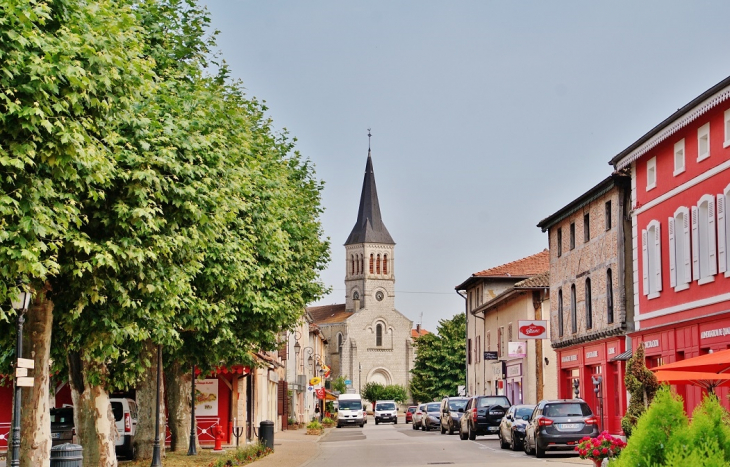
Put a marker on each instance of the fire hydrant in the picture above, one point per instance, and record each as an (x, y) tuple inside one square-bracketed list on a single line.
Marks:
[(219, 434)]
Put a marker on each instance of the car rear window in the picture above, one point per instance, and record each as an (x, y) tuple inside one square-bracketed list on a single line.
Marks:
[(62, 416), (411, 409), (489, 401), (457, 404), (385, 406), (433, 407), (118, 410), (351, 405), (570, 409), (522, 411)]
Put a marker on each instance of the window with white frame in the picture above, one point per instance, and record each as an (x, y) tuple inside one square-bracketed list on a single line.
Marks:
[(651, 173), (703, 142), (651, 242), (680, 259), (679, 157), (727, 129), (704, 248), (723, 231)]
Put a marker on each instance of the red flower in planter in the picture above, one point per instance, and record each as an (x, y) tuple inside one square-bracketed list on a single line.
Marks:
[(601, 447)]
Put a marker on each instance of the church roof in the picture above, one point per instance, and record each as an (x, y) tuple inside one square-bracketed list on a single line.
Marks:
[(369, 227), (518, 269), (329, 314)]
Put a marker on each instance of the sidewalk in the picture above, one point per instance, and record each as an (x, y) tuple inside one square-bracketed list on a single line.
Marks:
[(292, 448)]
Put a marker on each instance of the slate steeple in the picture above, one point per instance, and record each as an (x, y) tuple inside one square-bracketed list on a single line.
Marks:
[(369, 227)]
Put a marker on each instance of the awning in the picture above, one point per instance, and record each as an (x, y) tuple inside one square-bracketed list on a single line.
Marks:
[(622, 357)]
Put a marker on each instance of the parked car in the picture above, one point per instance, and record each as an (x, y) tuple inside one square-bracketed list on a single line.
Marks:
[(482, 416), (432, 417), (125, 417), (409, 413), (512, 428), (418, 416), (559, 425), (385, 411), (62, 426), (452, 409)]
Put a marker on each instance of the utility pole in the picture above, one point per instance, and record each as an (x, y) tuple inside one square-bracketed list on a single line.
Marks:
[(359, 378)]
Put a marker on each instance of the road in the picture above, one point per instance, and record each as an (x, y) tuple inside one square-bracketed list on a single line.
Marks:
[(388, 445)]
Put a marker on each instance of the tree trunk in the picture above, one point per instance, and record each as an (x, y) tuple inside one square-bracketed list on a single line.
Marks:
[(93, 417), (144, 437), (178, 406), (35, 425)]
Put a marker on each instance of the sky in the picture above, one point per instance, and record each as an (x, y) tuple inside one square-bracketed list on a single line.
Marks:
[(486, 116)]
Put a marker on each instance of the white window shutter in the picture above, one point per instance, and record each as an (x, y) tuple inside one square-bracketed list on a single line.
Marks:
[(721, 233), (645, 261), (672, 254), (658, 256), (711, 234), (685, 238), (695, 243)]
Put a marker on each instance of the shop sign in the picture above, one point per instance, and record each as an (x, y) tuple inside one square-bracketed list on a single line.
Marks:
[(569, 358), (710, 333), (611, 350), (514, 370), (206, 398), (651, 344), (532, 329), (491, 355), (592, 354), (517, 349)]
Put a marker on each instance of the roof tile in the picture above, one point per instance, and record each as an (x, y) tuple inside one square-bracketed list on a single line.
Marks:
[(529, 266)]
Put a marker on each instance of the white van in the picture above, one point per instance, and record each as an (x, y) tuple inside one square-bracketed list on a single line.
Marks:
[(125, 416), (350, 410)]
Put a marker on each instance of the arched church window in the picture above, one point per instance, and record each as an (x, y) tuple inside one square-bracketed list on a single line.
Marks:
[(357, 263), (339, 341), (385, 264), (372, 260), (352, 264), (379, 335), (356, 295), (362, 265), (377, 266)]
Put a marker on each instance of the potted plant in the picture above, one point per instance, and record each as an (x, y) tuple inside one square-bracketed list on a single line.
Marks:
[(603, 446), (328, 422), (314, 428)]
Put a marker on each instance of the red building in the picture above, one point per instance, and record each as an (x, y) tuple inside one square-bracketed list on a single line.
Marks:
[(680, 189)]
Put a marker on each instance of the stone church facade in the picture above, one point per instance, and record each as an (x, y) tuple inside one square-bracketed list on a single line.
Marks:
[(368, 339)]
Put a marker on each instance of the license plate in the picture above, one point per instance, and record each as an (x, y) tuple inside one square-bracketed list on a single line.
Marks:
[(55, 435), (493, 428), (568, 426), (351, 421)]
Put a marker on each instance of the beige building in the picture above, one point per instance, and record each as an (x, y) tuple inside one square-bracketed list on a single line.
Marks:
[(370, 341), (496, 300)]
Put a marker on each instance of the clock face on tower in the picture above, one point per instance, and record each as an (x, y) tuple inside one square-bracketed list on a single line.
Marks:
[(379, 296)]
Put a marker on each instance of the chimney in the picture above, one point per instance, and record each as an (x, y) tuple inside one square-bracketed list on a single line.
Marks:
[(418, 329)]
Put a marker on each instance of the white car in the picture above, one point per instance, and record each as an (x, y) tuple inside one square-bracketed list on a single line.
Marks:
[(385, 411), (125, 417)]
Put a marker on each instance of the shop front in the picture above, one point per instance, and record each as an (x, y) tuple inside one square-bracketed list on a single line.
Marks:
[(588, 372), (692, 339)]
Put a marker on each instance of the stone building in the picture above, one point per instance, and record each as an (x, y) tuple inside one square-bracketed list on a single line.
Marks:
[(591, 289), (369, 340)]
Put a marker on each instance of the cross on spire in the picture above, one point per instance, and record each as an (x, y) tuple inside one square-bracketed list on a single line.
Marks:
[(369, 135)]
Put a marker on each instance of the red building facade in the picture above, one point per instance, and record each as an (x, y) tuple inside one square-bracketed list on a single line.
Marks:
[(591, 291), (680, 177)]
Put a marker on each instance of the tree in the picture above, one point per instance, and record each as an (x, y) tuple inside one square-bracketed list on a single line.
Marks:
[(439, 365), (641, 385), (338, 384)]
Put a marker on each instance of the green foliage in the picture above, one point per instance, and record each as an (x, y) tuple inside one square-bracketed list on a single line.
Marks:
[(641, 385), (338, 384), (439, 366), (326, 421), (708, 434), (314, 425), (243, 456), (659, 431), (378, 392)]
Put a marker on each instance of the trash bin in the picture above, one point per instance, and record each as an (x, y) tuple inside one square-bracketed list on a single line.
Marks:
[(67, 455), (266, 434)]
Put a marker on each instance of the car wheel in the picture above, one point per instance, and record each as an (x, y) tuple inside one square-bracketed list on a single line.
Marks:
[(526, 445), (413, 425), (462, 436), (540, 453), (443, 430), (451, 428), (513, 442), (362, 425), (395, 422), (377, 421), (472, 434), (502, 444)]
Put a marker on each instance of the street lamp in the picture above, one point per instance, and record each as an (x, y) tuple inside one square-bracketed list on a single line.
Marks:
[(156, 460), (21, 306), (192, 449)]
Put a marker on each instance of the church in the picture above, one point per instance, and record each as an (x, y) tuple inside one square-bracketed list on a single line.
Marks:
[(369, 340)]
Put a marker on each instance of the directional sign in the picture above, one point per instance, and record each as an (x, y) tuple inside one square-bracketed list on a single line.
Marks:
[(348, 382), (26, 363), (21, 372), (24, 382)]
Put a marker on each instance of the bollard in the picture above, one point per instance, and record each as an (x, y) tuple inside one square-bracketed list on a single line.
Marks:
[(67, 455), (266, 434)]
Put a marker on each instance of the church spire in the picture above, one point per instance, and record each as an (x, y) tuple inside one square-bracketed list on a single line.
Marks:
[(369, 227)]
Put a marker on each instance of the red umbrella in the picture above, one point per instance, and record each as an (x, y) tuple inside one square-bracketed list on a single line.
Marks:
[(709, 381), (716, 362)]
